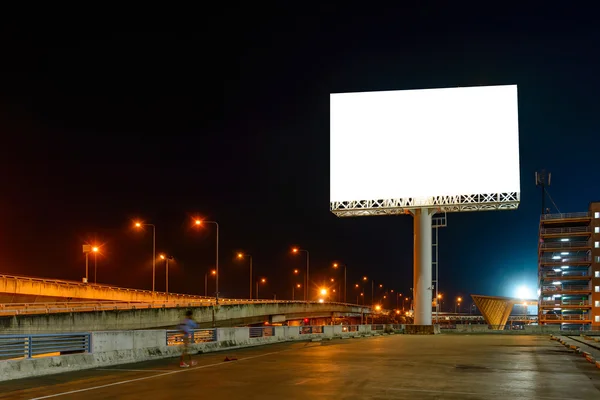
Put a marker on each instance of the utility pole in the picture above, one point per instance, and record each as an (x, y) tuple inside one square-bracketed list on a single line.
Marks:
[(543, 179)]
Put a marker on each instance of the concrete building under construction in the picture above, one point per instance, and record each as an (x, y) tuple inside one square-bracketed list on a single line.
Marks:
[(569, 269)]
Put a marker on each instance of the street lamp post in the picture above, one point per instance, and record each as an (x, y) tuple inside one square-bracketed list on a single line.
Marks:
[(199, 222), (86, 250), (139, 225), (95, 250), (166, 258), (345, 286), (307, 283), (213, 272), (262, 280), (240, 256), (296, 286)]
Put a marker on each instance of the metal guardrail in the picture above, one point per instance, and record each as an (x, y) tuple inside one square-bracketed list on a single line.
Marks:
[(29, 346), (568, 259), (568, 317), (567, 274), (566, 245), (259, 331), (175, 337), (584, 214), (565, 303), (377, 327), (307, 330), (350, 328), (556, 231)]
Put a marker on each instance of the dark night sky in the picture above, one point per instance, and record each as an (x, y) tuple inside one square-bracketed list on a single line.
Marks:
[(231, 123)]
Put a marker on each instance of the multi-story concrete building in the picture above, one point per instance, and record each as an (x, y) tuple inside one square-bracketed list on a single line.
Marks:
[(569, 269)]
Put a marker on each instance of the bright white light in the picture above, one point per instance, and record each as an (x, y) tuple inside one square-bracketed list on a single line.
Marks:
[(422, 143), (321, 300), (556, 257), (565, 267), (556, 283), (564, 240), (523, 292), (557, 269), (564, 253)]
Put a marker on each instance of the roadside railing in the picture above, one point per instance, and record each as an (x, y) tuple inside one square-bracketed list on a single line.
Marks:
[(175, 337), (377, 327), (350, 328), (565, 303), (258, 331), (584, 214), (564, 317), (565, 259), (565, 245), (30, 346), (557, 231)]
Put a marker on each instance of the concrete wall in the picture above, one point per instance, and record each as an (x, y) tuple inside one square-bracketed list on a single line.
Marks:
[(218, 316), (121, 347)]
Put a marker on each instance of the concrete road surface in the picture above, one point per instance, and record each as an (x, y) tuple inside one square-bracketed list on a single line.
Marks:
[(384, 367)]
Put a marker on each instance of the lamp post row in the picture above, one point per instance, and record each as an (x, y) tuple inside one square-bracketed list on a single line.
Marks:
[(89, 249)]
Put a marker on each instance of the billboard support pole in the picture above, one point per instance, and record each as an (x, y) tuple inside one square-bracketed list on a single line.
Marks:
[(422, 266)]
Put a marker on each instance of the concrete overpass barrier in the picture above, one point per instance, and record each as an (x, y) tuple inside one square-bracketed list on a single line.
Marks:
[(151, 316), (30, 290), (122, 347)]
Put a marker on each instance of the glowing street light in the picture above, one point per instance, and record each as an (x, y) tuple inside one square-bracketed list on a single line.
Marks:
[(336, 265), (242, 256), (296, 286), (323, 292), (166, 258), (296, 250), (95, 250), (377, 307), (212, 273), (199, 223), (140, 225), (261, 280)]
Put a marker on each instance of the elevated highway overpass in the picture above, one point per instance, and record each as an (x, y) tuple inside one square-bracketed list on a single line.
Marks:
[(21, 289), (122, 316)]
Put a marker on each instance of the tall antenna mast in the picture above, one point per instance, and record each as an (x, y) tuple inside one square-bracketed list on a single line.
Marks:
[(542, 179)]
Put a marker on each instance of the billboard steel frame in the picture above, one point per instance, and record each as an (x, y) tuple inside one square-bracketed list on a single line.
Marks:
[(460, 203)]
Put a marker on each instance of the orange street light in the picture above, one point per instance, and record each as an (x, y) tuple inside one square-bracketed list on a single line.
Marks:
[(365, 278), (162, 256), (323, 292), (241, 256), (377, 307), (212, 273), (332, 279), (139, 225), (296, 250), (356, 286), (336, 265), (199, 222), (95, 250), (262, 280)]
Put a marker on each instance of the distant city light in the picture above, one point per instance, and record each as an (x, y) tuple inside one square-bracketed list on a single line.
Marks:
[(523, 292), (564, 240)]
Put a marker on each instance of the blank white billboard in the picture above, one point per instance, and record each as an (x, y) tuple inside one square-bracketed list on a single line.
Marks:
[(424, 143)]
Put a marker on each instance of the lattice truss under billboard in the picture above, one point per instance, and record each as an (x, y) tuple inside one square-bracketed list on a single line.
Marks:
[(423, 152), (475, 202)]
